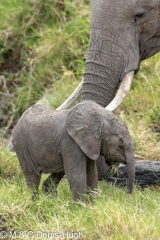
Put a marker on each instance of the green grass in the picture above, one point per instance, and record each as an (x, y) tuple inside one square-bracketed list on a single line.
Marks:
[(40, 44), (112, 215), (42, 54)]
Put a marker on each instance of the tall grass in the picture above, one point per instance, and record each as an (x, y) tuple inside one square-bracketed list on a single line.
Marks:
[(40, 43), (112, 215)]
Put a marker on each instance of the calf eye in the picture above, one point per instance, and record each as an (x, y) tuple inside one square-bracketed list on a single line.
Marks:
[(121, 143), (139, 15)]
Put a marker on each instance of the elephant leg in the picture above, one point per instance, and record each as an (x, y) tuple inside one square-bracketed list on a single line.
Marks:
[(33, 181), (77, 184), (76, 176), (74, 161), (51, 183), (92, 177)]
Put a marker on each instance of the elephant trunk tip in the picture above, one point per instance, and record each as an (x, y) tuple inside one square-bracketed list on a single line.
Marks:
[(129, 189)]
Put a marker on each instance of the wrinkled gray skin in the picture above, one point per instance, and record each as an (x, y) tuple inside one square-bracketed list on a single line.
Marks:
[(123, 33), (69, 142)]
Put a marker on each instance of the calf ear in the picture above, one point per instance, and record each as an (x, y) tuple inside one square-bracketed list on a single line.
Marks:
[(84, 126)]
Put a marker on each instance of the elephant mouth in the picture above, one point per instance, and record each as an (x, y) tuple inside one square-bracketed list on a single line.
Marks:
[(117, 100), (115, 159), (110, 161)]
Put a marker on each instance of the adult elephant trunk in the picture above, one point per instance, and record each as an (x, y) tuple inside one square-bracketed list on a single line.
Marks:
[(103, 74), (111, 53)]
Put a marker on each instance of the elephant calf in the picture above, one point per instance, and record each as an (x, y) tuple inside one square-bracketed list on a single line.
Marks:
[(69, 142)]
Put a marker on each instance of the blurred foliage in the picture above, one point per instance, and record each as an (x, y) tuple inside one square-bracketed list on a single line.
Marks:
[(40, 43), (43, 45)]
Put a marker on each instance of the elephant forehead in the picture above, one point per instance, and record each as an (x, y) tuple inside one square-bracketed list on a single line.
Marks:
[(109, 8), (117, 126)]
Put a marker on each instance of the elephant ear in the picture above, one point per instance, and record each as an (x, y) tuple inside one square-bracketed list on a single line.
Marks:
[(84, 126)]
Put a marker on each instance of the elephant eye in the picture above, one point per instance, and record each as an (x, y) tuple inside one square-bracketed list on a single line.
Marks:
[(121, 146), (121, 143), (139, 15)]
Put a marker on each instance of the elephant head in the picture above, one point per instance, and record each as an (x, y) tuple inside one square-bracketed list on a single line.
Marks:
[(99, 132), (122, 34)]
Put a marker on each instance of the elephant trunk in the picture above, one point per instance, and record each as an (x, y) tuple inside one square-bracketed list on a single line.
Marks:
[(101, 78), (106, 66), (130, 166), (111, 55)]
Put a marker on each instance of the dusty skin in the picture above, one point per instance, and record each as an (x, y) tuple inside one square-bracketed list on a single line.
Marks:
[(70, 142)]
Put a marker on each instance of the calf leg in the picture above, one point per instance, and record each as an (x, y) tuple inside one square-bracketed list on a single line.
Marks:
[(92, 177), (74, 161), (33, 181), (32, 178)]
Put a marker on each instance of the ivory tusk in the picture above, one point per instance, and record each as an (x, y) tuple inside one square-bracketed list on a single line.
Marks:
[(122, 91), (72, 98)]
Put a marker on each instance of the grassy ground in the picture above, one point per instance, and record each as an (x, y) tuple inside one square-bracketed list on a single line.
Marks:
[(113, 215), (42, 54)]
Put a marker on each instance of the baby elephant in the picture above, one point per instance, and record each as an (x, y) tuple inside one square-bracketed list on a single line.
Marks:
[(69, 142)]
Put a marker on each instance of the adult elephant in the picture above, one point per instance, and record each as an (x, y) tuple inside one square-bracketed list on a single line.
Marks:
[(123, 33)]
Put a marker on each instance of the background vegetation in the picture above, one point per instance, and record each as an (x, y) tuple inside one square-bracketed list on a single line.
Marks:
[(42, 56)]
